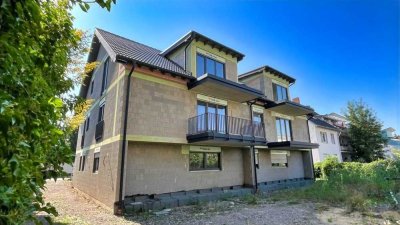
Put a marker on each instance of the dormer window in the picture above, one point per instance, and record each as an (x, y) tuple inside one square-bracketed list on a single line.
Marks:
[(280, 93), (205, 64)]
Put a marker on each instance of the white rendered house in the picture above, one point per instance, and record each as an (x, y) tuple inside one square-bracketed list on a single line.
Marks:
[(327, 136)]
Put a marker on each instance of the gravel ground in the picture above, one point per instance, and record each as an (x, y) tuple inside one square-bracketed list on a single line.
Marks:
[(74, 208)]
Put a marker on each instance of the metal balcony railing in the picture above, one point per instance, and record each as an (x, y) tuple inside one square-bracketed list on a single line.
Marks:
[(223, 124)]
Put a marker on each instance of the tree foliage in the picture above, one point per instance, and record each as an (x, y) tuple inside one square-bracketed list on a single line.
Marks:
[(365, 132), (39, 50)]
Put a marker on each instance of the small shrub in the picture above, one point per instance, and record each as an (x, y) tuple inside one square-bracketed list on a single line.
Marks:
[(317, 170), (329, 166), (358, 186)]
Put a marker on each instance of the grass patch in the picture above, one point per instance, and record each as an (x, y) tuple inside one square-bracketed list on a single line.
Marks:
[(357, 186)]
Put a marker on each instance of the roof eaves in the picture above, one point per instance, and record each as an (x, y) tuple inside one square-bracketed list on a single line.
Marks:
[(195, 35), (108, 48), (268, 69)]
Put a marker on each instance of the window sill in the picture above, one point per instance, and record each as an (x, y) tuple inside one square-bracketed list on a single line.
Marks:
[(216, 170)]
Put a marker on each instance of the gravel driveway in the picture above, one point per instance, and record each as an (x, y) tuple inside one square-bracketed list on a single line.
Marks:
[(74, 208)]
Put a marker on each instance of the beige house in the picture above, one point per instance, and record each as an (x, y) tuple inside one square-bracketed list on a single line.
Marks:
[(167, 128)]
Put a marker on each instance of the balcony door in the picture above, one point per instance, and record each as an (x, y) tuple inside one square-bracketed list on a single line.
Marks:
[(211, 117)]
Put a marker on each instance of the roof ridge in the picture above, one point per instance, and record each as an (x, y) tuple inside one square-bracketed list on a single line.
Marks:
[(159, 51)]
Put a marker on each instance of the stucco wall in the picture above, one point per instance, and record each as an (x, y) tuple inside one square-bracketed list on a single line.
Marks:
[(324, 149), (179, 56), (266, 172), (162, 168), (230, 62), (300, 130)]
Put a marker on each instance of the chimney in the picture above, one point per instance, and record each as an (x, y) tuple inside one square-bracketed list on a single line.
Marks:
[(297, 100)]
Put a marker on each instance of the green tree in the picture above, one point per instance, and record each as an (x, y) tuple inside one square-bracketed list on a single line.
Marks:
[(40, 52), (365, 132)]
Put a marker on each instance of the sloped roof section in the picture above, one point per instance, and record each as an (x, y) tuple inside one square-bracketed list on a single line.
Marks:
[(123, 49), (322, 123), (197, 36), (267, 69)]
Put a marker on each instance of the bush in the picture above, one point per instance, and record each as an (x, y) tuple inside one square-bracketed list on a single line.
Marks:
[(358, 186), (317, 170), (329, 166)]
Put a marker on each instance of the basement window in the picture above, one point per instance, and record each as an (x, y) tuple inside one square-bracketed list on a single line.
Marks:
[(204, 161), (96, 162)]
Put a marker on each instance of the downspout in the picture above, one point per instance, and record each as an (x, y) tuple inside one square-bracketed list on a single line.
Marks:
[(122, 169), (253, 150), (309, 140)]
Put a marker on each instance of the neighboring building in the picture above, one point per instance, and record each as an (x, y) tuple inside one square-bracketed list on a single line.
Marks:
[(389, 133), (341, 123), (166, 125), (393, 143), (327, 136)]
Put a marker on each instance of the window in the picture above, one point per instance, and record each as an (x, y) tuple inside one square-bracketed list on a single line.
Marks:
[(96, 162), (279, 159), (332, 138), (101, 113), (91, 87), (283, 129), (105, 76), (324, 137), (210, 66), (258, 117), (82, 163), (214, 117), (280, 93), (204, 161), (87, 122)]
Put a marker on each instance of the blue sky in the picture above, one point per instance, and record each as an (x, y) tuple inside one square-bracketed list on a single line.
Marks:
[(337, 50)]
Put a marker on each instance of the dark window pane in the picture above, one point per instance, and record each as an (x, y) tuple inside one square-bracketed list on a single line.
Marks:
[(280, 93), (274, 87), (219, 70), (196, 161), (210, 66), (212, 160), (199, 65), (87, 123), (284, 93), (105, 76)]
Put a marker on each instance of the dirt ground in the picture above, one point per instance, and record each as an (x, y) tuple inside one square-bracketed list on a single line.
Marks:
[(75, 208)]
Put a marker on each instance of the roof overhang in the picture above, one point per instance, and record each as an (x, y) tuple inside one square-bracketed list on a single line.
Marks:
[(267, 69), (193, 35), (224, 89), (292, 145), (290, 108)]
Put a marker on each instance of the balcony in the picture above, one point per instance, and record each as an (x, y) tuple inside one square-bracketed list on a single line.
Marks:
[(224, 89), (225, 130), (99, 130), (288, 108)]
